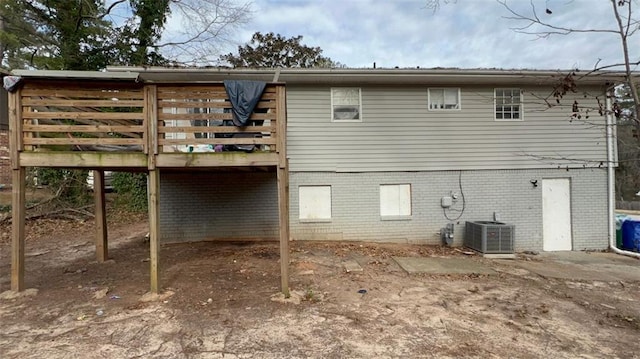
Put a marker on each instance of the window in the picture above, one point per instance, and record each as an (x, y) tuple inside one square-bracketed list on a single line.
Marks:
[(395, 200), (444, 99), (314, 203), (345, 104), (508, 104)]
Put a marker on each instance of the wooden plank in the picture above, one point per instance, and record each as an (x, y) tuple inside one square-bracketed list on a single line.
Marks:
[(85, 159), (154, 230), (84, 115), (214, 105), (82, 141), (111, 102), (106, 93), (18, 229), (214, 129), (212, 116), (216, 159), (151, 118), (82, 128), (283, 219), (207, 94), (219, 141), (102, 245), (15, 135), (281, 133)]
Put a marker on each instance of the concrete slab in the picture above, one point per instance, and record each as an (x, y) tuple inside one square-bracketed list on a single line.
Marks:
[(594, 266), (431, 265), (351, 265)]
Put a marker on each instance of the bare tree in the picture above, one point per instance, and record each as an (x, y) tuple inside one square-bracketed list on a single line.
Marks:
[(624, 26), (177, 31), (540, 23), (204, 26)]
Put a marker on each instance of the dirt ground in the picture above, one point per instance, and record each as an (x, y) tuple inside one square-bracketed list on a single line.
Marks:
[(221, 301)]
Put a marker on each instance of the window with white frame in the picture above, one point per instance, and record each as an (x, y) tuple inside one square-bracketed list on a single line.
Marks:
[(314, 203), (444, 98), (508, 103), (395, 200), (346, 104)]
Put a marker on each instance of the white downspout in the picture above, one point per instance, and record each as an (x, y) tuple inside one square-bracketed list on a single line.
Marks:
[(611, 204)]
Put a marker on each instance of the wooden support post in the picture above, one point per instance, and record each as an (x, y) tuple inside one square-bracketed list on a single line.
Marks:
[(102, 248), (283, 216), (15, 128), (18, 229), (154, 229), (283, 186)]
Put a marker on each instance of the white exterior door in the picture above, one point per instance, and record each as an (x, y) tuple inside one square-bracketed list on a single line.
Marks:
[(556, 214)]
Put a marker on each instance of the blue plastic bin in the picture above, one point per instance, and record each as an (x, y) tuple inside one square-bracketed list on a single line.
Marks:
[(631, 234)]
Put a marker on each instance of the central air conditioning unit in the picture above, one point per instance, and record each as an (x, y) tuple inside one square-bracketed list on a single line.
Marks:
[(489, 237)]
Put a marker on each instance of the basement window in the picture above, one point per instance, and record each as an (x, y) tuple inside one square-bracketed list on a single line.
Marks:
[(395, 201), (314, 203)]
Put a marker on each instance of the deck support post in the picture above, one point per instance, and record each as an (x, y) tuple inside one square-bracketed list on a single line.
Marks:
[(154, 229), (283, 213), (102, 244), (18, 229), (283, 186)]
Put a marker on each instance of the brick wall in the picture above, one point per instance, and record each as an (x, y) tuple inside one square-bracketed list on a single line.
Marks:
[(202, 206), (5, 164), (245, 205)]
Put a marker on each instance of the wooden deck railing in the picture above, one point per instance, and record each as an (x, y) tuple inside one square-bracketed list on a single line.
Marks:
[(151, 119), (61, 116), (200, 116)]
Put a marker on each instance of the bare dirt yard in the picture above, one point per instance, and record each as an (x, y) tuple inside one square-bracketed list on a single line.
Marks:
[(221, 301)]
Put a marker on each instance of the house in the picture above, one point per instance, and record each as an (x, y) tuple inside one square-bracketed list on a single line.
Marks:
[(381, 155), (395, 155)]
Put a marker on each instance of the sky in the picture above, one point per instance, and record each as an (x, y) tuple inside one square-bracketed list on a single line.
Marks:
[(408, 34), (461, 33)]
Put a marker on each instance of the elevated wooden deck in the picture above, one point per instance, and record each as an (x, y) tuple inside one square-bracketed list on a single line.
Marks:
[(110, 124)]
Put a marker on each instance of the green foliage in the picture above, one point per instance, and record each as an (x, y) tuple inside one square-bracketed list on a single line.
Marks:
[(131, 189), (70, 186), (57, 35), (271, 50)]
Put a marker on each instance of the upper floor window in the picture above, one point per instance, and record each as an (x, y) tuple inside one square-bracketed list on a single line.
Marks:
[(508, 103), (444, 98), (346, 104)]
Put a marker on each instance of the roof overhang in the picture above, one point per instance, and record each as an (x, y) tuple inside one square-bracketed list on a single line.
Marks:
[(437, 76), (76, 75), (337, 77)]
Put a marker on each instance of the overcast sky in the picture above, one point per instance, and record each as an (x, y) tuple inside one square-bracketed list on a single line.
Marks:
[(462, 33)]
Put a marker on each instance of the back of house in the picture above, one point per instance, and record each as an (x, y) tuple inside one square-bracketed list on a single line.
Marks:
[(411, 156)]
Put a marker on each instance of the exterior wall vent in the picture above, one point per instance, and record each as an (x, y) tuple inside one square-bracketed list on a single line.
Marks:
[(489, 237)]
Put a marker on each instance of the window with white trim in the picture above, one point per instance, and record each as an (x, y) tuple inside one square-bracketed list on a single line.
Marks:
[(395, 200), (444, 98), (346, 104), (508, 102), (314, 203)]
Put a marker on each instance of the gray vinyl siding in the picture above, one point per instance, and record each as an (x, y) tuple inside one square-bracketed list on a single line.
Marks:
[(399, 133)]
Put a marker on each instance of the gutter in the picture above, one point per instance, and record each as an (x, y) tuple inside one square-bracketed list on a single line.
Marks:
[(611, 204)]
